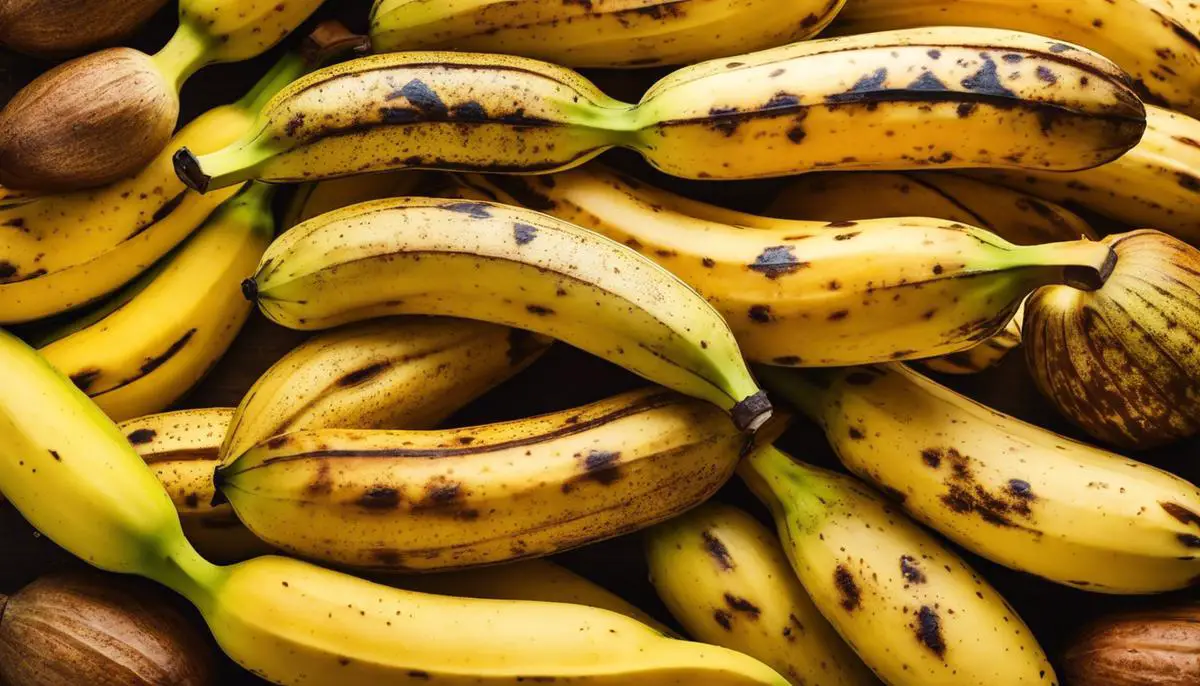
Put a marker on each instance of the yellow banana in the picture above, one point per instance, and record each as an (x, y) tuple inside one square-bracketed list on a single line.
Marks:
[(313, 199), (383, 374), (535, 579), (984, 355), (1155, 185), (1013, 215), (1156, 41), (379, 499), (598, 33), (291, 622), (236, 30), (913, 610), (726, 579), (1009, 491), (935, 97), (181, 448), (144, 356), (815, 293), (509, 266), (60, 251)]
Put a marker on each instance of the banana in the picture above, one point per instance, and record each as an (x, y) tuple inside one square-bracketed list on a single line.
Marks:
[(182, 450), (421, 500), (509, 266), (535, 579), (984, 355), (291, 622), (604, 33), (383, 374), (935, 97), (1154, 185), (726, 579), (1009, 491), (1013, 215), (58, 252), (914, 611), (815, 293), (313, 199), (236, 30), (1156, 41), (145, 355)]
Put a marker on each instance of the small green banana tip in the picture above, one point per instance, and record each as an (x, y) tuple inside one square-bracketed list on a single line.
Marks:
[(750, 413), (187, 168)]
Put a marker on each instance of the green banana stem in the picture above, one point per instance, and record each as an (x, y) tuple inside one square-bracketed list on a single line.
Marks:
[(1082, 264), (804, 389), (184, 571), (289, 68), (183, 55), (787, 487)]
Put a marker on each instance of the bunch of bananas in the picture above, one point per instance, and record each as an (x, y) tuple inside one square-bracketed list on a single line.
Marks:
[(980, 154)]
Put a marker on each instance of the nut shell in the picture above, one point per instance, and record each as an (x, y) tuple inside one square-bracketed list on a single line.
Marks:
[(62, 27), (100, 630), (1153, 648), (1123, 361), (87, 122)]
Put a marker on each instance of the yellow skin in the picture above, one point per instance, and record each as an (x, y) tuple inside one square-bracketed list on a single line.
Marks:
[(291, 622), (1154, 40), (314, 199), (1122, 362), (391, 373), (600, 33), (145, 355), (1009, 491), (726, 579), (240, 30), (1154, 185), (799, 293), (903, 100), (913, 610), (92, 242), (510, 266), (535, 579), (378, 499)]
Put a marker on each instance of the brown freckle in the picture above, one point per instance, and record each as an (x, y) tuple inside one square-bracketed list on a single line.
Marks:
[(192, 500), (84, 380), (847, 588), (343, 661), (322, 483), (834, 285), (665, 253), (841, 224), (938, 269), (742, 605), (839, 315), (716, 549), (418, 674), (379, 498), (855, 434), (141, 436), (367, 373), (1181, 513), (1189, 540), (911, 570), (539, 310), (929, 631), (1046, 75), (932, 457), (278, 442), (708, 262), (760, 313), (965, 109), (724, 619)]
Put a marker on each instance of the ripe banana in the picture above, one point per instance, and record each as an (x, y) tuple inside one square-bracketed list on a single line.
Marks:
[(913, 610), (60, 251), (984, 355), (801, 293), (1013, 215), (604, 33), (181, 448), (1154, 185), (535, 579), (935, 97), (398, 372), (313, 199), (289, 621), (1156, 41), (144, 356), (726, 579), (421, 500), (236, 31), (1009, 491), (509, 266)]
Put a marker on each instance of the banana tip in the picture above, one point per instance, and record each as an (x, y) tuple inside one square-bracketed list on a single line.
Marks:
[(751, 413), (218, 498), (250, 289), (187, 168), (1089, 279)]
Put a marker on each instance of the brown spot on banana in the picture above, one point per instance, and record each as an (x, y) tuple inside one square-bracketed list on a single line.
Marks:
[(360, 376), (847, 587), (379, 498), (1181, 513), (911, 570), (717, 550), (738, 604), (928, 630), (141, 436)]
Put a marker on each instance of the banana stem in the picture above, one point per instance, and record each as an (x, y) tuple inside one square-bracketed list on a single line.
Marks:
[(1083, 264), (183, 55), (289, 68), (189, 575), (789, 488)]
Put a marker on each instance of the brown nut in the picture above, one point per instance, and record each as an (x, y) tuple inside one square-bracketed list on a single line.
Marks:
[(1158, 647), (63, 27)]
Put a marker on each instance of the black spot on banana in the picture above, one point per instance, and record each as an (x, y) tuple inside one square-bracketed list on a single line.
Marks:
[(879, 101)]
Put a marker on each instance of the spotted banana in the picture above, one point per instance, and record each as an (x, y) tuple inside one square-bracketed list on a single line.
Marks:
[(934, 97)]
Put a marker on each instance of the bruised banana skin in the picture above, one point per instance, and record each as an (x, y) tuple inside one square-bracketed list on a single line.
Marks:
[(1154, 185), (509, 266), (914, 611), (798, 293), (535, 579), (603, 33), (724, 576), (291, 622), (148, 353), (899, 100), (1009, 491), (182, 448), (423, 500), (50, 264), (1156, 41), (390, 373)]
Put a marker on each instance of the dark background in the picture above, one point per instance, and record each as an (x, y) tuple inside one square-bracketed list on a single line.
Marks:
[(1054, 612)]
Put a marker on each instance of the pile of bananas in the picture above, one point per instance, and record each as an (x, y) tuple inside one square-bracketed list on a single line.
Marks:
[(972, 177)]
